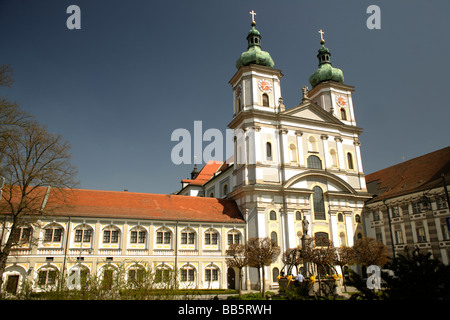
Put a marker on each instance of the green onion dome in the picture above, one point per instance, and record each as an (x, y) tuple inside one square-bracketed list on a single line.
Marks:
[(254, 54), (325, 72)]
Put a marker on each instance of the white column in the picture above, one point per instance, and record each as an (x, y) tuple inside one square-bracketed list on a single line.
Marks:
[(301, 158), (358, 156), (261, 216), (334, 232), (325, 151), (340, 153), (349, 227), (290, 232)]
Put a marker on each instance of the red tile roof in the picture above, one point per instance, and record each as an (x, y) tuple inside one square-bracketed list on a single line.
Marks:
[(206, 173), (421, 173), (132, 205)]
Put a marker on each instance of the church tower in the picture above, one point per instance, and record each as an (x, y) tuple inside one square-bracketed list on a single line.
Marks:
[(302, 163)]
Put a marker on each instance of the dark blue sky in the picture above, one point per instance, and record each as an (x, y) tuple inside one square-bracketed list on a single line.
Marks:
[(138, 70)]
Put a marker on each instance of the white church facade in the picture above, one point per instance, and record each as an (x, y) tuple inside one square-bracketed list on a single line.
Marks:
[(291, 164)]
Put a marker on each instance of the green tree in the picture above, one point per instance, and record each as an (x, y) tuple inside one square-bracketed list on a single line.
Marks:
[(416, 275), (238, 258), (262, 252)]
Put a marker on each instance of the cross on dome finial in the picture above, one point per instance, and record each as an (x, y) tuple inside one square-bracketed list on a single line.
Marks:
[(322, 41), (253, 13)]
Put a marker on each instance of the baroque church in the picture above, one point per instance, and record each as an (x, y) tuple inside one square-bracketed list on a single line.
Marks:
[(289, 165)]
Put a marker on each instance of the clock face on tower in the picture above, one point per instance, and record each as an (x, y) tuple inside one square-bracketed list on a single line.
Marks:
[(265, 85), (341, 101)]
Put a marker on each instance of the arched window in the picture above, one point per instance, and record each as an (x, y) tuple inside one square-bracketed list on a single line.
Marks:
[(83, 233), (22, 235), (357, 218), (162, 273), (314, 162), (298, 215), (188, 236), (234, 237), (274, 237), (163, 236), (211, 273), (111, 235), (136, 275), (53, 233), (47, 276), (269, 151), (312, 144), (265, 100), (273, 215), (343, 114), (225, 189), (319, 205), (350, 161), (293, 152), (211, 195), (138, 235), (187, 273), (211, 237), (83, 272), (340, 217)]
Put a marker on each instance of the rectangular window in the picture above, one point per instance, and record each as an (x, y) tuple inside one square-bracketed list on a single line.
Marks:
[(114, 236), (214, 238), (395, 212), (421, 234), (416, 207), (441, 203), (42, 277), (48, 235), (57, 235), (211, 275), (142, 236), (87, 235), (184, 238), (159, 237), (78, 235), (111, 236), (106, 236), (191, 238), (166, 237), (133, 237), (398, 237)]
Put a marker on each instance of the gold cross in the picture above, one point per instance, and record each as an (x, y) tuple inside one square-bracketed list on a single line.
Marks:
[(321, 35)]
